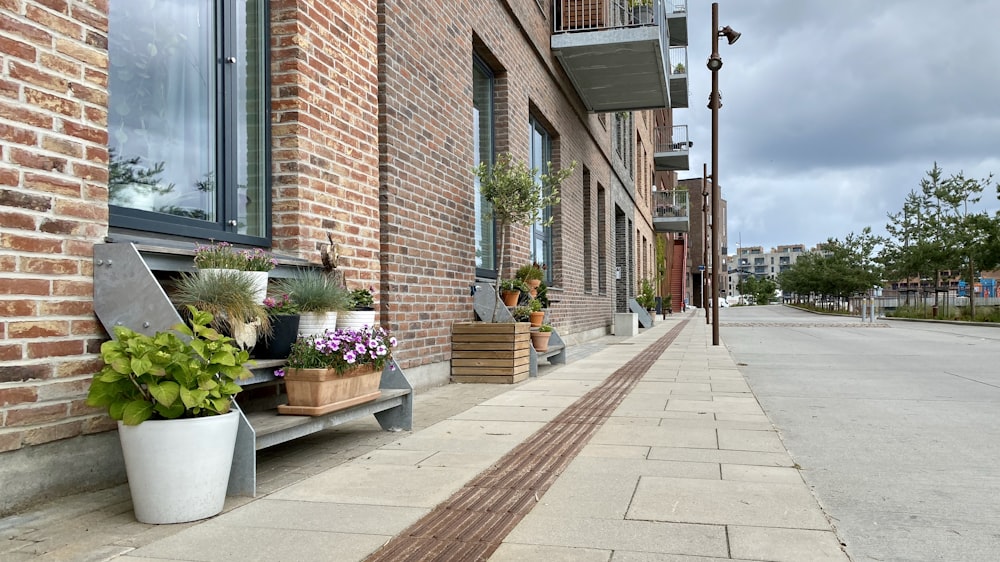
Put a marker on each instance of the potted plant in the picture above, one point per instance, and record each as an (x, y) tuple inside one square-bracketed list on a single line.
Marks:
[(517, 196), (532, 275), (171, 394), (536, 315), (647, 295), (521, 313), (510, 291), (229, 296), (319, 298), (284, 316), (334, 370), (540, 337), (642, 11), (360, 311), (223, 256)]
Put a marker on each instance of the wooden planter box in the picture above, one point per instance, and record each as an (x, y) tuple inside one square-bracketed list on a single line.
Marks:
[(484, 352), (314, 392)]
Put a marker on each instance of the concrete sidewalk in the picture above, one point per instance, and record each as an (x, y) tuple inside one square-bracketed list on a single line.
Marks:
[(688, 467)]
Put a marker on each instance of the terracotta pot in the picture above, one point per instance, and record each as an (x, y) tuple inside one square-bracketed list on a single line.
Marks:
[(510, 298), (314, 392), (537, 318), (540, 340)]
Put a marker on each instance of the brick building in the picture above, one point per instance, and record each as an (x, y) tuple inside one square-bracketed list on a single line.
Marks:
[(284, 125)]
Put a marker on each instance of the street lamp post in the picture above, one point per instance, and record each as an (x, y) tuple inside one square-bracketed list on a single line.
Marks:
[(705, 242), (714, 103)]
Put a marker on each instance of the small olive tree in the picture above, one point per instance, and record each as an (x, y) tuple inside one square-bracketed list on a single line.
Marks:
[(518, 195)]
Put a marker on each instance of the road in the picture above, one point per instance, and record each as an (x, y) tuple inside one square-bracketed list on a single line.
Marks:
[(896, 425)]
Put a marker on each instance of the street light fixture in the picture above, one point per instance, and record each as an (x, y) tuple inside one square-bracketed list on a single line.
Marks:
[(714, 103)]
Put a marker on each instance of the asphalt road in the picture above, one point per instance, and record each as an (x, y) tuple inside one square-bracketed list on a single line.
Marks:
[(896, 425)]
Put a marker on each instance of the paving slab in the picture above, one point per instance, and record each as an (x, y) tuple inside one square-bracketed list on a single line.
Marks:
[(656, 436), (726, 502), (719, 456), (510, 552), (749, 440), (785, 545)]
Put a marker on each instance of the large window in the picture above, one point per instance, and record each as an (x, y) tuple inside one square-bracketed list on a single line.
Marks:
[(187, 119), (483, 133), (541, 231)]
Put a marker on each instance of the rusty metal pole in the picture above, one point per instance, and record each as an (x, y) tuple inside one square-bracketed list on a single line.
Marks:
[(715, 103), (705, 241)]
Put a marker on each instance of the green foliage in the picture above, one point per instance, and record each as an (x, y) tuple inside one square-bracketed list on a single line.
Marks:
[(841, 269), (362, 299), (545, 328), (542, 295), (188, 373), (521, 313), (531, 272), (535, 305), (314, 291), (228, 295), (761, 289), (514, 285), (222, 255), (647, 294)]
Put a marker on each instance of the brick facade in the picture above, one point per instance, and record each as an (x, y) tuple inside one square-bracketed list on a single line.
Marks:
[(371, 146)]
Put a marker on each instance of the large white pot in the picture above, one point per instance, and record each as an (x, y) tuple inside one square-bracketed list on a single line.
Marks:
[(356, 319), (178, 470), (312, 323)]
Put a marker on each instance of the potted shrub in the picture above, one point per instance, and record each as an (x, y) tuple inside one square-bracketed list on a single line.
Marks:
[(536, 315), (284, 316), (334, 370), (223, 256), (647, 295), (540, 337), (229, 296), (319, 298), (517, 196), (521, 313), (532, 275), (360, 311), (171, 394)]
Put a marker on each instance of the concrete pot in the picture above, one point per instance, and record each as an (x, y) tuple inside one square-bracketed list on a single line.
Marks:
[(178, 470)]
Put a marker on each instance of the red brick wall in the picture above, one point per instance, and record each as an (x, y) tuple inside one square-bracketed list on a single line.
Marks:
[(324, 80), (53, 207)]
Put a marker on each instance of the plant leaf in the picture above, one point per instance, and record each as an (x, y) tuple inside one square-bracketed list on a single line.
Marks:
[(166, 392), (136, 412)]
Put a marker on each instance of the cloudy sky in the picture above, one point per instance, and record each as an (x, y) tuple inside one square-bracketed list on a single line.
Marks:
[(833, 111)]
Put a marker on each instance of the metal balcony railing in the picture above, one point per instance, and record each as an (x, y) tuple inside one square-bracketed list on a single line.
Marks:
[(670, 204), (594, 15), (671, 138)]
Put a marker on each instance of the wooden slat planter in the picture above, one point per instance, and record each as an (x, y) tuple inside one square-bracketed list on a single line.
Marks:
[(484, 352)]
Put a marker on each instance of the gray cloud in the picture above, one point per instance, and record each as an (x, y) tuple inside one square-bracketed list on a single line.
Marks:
[(833, 111)]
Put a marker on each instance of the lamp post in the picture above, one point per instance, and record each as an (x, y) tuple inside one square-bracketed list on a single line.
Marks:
[(705, 242), (714, 103)]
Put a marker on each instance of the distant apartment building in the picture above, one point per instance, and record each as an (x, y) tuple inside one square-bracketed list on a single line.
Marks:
[(753, 260)]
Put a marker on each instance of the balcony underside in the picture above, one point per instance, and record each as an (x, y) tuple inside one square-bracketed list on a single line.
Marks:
[(672, 160), (671, 224), (615, 69), (677, 28), (679, 91)]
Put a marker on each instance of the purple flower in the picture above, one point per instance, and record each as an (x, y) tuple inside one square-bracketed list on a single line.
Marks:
[(350, 357), (279, 372)]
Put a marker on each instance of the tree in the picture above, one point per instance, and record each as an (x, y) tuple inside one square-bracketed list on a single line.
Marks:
[(518, 196)]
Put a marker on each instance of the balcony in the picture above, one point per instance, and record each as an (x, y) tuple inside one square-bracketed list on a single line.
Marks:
[(670, 211), (678, 61), (677, 22), (615, 55), (671, 148)]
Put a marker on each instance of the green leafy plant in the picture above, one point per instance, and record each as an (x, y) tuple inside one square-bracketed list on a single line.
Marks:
[(188, 373), (513, 285), (542, 295), (647, 294), (314, 291), (362, 299), (341, 350), (282, 305), (545, 328), (521, 313), (534, 305)]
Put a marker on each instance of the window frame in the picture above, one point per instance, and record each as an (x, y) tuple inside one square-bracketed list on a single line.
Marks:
[(161, 225), (540, 233), (480, 219)]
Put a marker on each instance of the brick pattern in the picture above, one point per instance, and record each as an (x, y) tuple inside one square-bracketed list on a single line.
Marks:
[(53, 208), (324, 88)]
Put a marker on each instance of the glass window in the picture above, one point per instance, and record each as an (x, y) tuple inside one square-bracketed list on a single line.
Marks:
[(483, 126), (188, 118), (541, 235)]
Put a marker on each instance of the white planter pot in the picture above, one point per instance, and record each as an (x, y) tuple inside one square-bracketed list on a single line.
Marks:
[(356, 319), (312, 323), (178, 470)]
